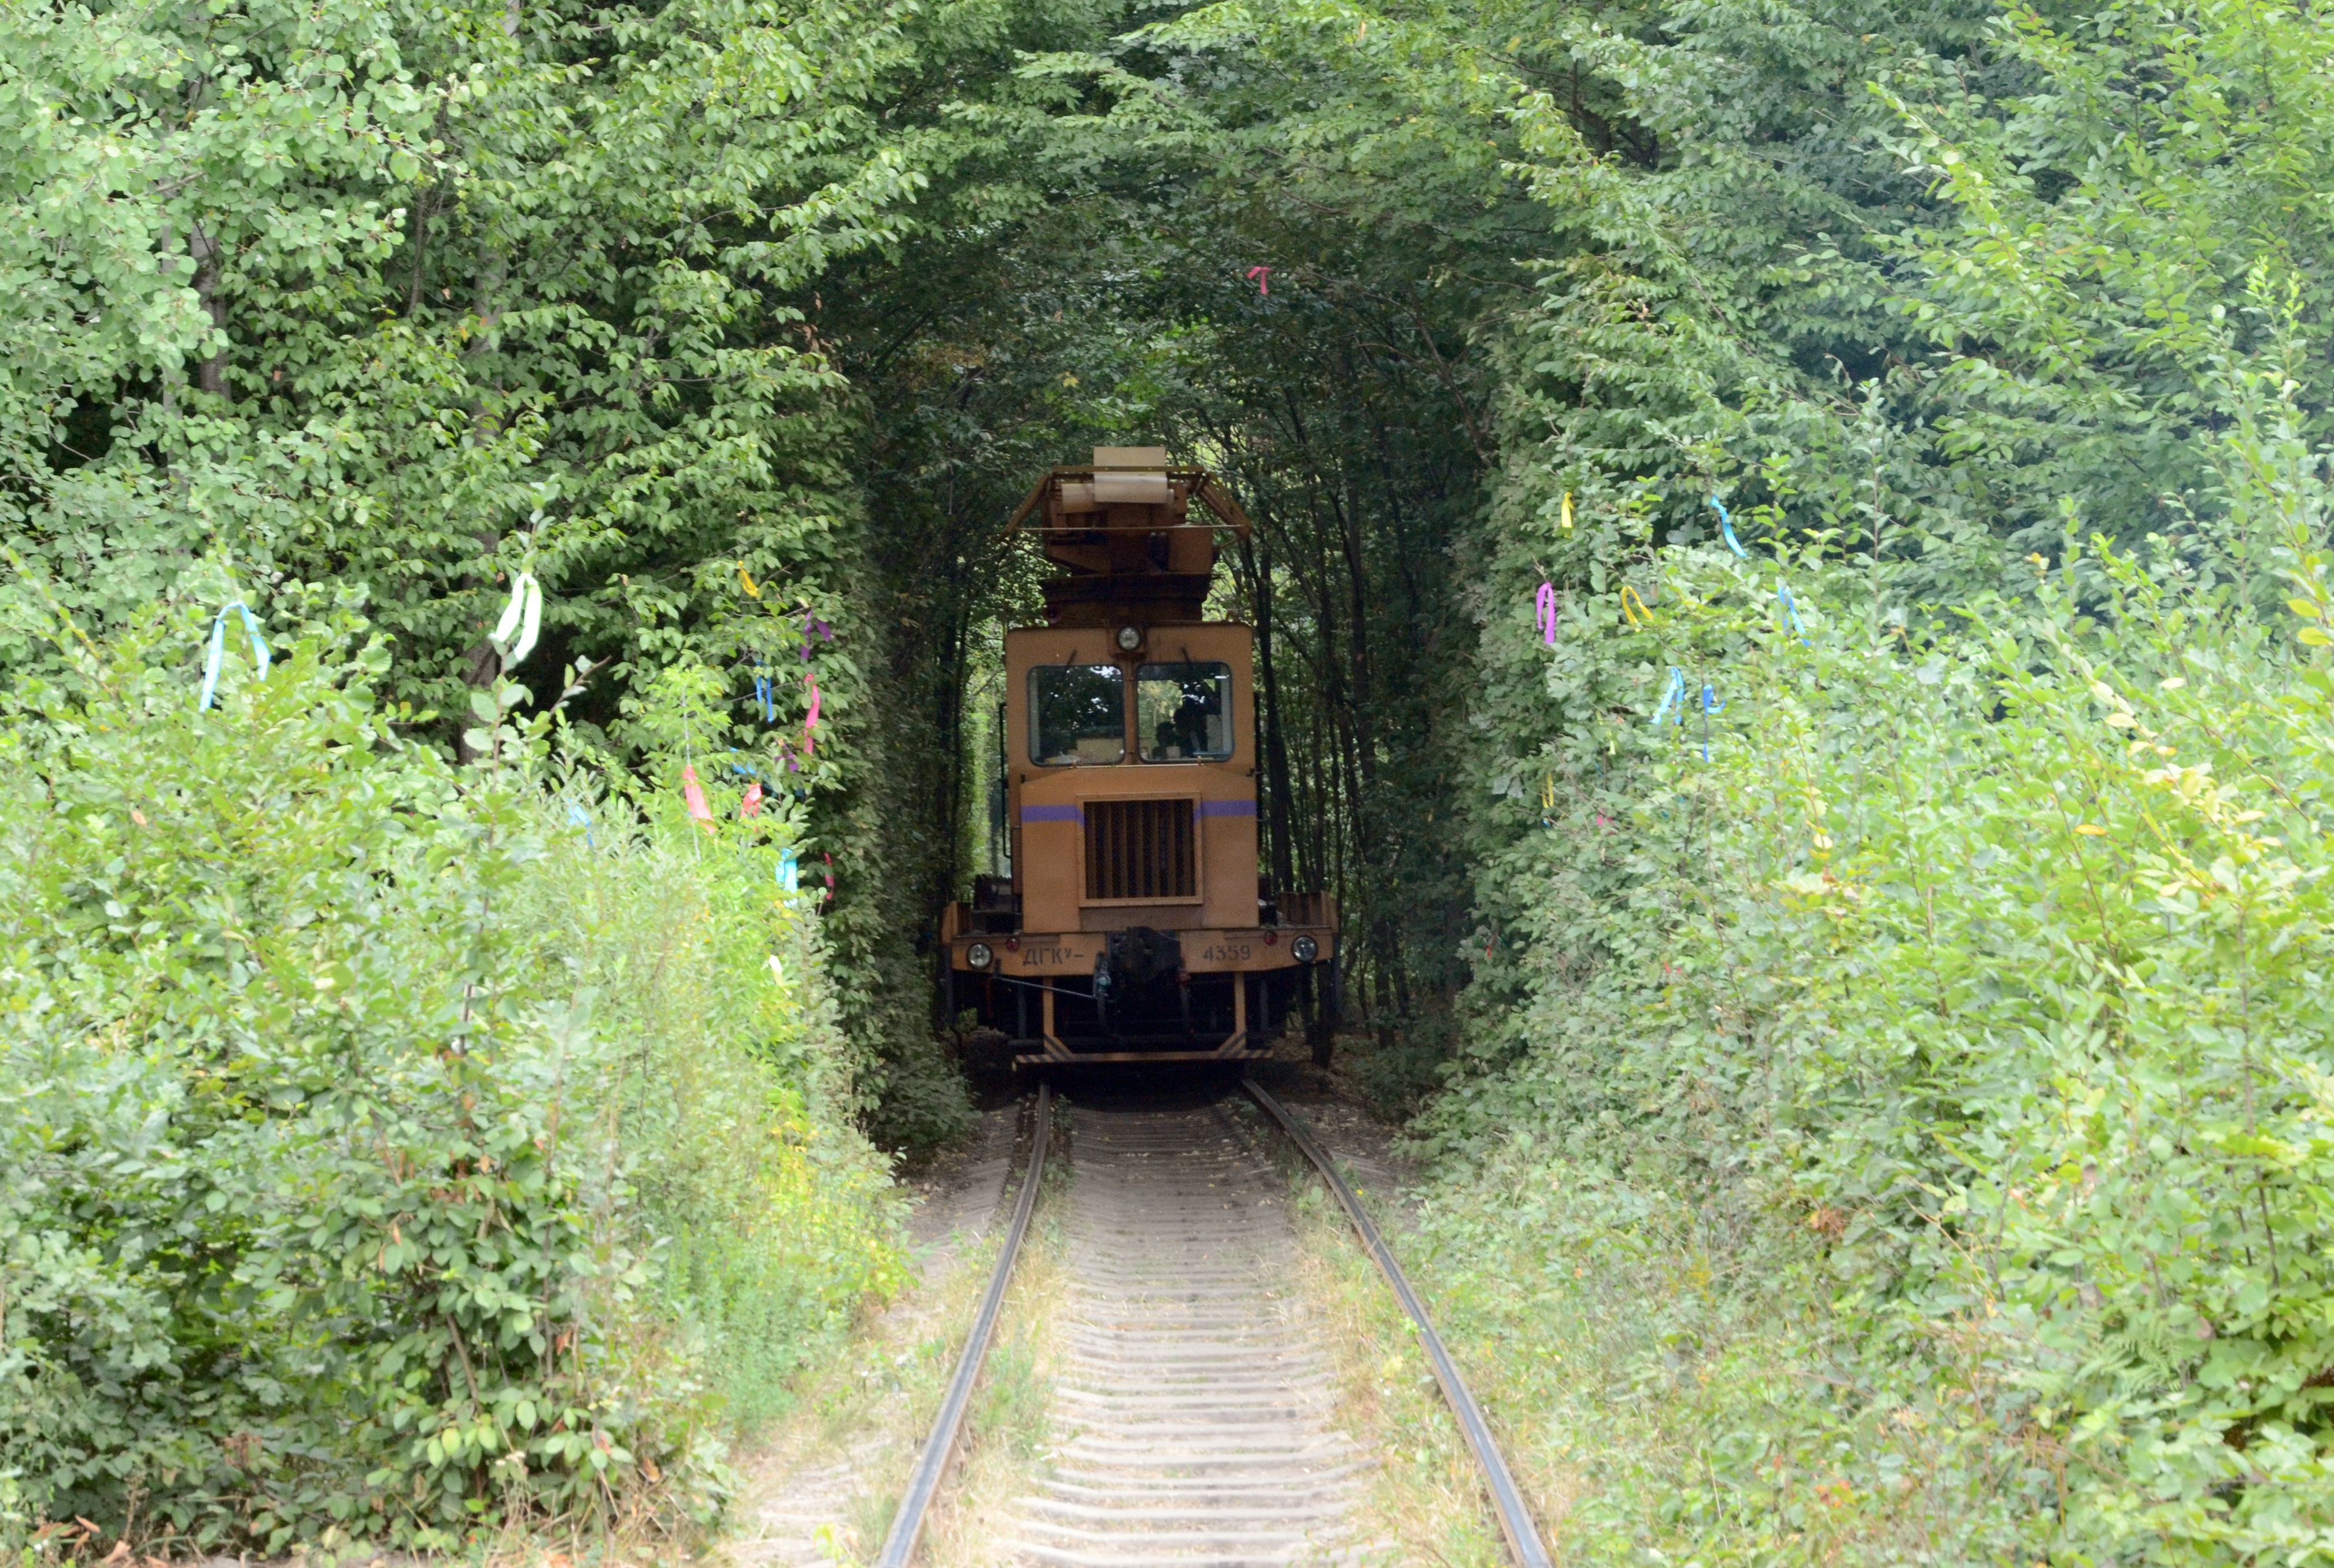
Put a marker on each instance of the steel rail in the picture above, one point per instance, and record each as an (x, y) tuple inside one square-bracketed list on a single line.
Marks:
[(1515, 1519), (940, 1449)]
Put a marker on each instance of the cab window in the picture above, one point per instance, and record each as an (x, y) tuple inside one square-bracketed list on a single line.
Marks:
[(1077, 713), (1183, 712)]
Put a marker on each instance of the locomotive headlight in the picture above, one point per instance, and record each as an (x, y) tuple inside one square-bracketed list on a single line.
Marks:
[(1130, 638), (1304, 950), (979, 955)]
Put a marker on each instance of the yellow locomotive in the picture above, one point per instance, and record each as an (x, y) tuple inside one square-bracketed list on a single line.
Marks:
[(1134, 926)]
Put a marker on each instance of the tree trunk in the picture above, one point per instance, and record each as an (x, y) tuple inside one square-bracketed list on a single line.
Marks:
[(1256, 557), (210, 374)]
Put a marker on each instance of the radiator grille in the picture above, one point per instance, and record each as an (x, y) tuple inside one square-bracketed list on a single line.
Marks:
[(1139, 850)]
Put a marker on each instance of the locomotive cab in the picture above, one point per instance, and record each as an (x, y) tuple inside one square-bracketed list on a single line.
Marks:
[(1135, 926)]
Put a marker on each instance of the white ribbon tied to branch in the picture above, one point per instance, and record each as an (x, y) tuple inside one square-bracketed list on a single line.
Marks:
[(523, 615)]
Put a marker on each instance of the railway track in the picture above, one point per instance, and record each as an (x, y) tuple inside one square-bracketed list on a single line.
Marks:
[(1196, 1403)]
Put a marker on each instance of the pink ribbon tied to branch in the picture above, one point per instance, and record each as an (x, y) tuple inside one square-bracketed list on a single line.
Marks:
[(1544, 612), (810, 720), (692, 795), (1262, 278)]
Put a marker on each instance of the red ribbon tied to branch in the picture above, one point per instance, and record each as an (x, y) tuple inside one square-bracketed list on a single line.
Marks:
[(1262, 278), (1544, 612)]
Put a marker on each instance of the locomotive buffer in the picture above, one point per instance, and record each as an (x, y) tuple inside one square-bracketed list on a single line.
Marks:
[(1135, 925)]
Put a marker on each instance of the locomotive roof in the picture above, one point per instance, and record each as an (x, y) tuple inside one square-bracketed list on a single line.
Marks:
[(1198, 482)]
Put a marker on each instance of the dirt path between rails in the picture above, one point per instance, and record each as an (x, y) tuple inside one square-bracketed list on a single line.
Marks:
[(1194, 1409)]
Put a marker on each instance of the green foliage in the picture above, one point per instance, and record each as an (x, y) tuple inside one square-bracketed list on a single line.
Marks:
[(1991, 959), (1934, 282), (416, 297), (397, 1152), (1905, 1122)]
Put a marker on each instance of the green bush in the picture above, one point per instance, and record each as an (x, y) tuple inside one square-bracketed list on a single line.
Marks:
[(396, 1151), (1958, 1032)]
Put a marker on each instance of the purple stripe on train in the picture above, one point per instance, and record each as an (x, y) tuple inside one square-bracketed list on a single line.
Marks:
[(1199, 808)]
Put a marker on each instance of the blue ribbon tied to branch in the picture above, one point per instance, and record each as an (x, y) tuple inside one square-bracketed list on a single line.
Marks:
[(1726, 526), (1791, 613), (1672, 697), (219, 650)]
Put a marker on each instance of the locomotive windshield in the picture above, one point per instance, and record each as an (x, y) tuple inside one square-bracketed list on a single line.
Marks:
[(1183, 712), (1077, 713)]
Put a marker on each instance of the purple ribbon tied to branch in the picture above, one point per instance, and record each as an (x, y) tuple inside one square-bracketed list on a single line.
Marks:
[(1544, 612)]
